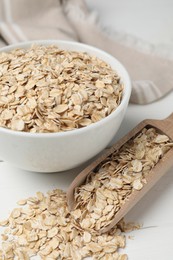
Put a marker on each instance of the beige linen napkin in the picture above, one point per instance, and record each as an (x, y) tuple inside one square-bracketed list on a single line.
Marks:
[(21, 20)]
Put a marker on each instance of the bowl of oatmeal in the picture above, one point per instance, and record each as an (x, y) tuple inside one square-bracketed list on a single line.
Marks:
[(61, 103)]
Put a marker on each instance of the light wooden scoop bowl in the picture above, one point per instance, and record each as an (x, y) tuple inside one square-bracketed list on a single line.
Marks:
[(165, 126)]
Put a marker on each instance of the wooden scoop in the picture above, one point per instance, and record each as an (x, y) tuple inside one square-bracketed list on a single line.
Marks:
[(164, 126)]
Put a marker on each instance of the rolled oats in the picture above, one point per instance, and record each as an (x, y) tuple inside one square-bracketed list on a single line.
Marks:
[(44, 226), (115, 179), (46, 89), (55, 235)]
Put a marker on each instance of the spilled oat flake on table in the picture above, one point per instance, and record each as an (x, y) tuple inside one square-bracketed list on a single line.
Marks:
[(43, 226)]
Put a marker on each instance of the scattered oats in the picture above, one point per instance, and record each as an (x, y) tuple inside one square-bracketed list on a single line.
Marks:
[(44, 227), (52, 232), (16, 213), (76, 213), (47, 89), (100, 84), (40, 195), (110, 249), (86, 237), (60, 108), (123, 257), (4, 237), (161, 139), (94, 247), (76, 99), (137, 184), (31, 237), (46, 251), (85, 122), (17, 124), (137, 165), (22, 241), (62, 238), (86, 223), (4, 223), (22, 202), (54, 243), (6, 114)]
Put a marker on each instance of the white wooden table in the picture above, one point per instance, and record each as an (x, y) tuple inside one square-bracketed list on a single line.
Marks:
[(155, 210)]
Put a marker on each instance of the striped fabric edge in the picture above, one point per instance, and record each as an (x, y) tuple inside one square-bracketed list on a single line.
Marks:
[(145, 91), (11, 32), (6, 34)]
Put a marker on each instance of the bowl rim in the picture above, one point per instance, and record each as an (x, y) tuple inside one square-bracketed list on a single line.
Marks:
[(125, 97)]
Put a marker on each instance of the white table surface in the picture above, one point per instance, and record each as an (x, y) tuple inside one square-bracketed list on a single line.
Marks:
[(155, 210)]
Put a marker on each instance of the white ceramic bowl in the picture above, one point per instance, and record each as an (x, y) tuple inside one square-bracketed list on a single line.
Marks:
[(52, 152)]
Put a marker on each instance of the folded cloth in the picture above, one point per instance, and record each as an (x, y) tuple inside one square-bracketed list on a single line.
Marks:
[(21, 20), (2, 43)]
